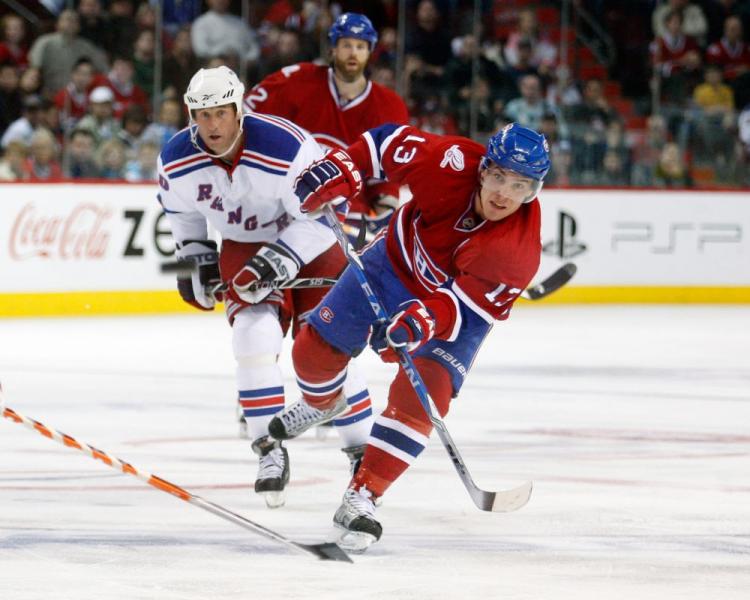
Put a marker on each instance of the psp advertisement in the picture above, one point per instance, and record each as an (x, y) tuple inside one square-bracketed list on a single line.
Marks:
[(648, 237)]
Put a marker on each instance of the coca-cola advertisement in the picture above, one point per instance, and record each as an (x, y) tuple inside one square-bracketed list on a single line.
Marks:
[(81, 232), (68, 238)]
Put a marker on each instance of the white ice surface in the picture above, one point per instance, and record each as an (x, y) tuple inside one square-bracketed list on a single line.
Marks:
[(633, 422)]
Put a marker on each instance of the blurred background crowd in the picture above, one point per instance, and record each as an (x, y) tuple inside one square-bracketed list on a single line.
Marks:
[(629, 92)]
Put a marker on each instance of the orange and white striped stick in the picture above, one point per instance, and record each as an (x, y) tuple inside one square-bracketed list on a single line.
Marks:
[(325, 551)]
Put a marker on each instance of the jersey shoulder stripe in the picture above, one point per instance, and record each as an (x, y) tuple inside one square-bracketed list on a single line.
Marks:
[(178, 148), (271, 165), (273, 137), (204, 163)]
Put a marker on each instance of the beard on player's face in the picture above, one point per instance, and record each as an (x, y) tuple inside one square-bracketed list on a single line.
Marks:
[(350, 58)]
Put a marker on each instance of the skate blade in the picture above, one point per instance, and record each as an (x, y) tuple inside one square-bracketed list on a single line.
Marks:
[(355, 542), (274, 499)]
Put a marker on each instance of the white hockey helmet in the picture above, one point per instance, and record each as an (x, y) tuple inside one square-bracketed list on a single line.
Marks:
[(214, 87)]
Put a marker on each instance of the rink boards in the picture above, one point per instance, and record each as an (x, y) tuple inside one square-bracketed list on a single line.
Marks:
[(96, 248)]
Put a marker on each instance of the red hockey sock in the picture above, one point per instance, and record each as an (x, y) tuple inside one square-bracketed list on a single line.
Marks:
[(379, 469), (317, 362)]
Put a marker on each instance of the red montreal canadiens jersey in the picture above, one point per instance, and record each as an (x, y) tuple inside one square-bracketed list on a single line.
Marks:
[(306, 95), (437, 241), (734, 59)]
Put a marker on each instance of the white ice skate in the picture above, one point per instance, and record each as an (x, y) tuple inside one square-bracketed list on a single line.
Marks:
[(273, 471), (356, 517), (300, 416)]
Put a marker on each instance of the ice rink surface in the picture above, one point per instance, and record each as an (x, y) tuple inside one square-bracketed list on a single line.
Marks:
[(633, 423)]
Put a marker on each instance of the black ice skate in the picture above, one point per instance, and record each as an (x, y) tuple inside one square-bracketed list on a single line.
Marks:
[(300, 416), (356, 517), (273, 471)]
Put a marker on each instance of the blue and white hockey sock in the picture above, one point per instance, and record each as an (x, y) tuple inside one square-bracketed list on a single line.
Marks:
[(354, 425), (261, 395)]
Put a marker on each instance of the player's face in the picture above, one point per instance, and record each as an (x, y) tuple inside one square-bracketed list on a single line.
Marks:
[(502, 192), (350, 57), (217, 127)]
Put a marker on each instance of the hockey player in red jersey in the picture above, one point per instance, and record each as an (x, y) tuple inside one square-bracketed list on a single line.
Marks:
[(453, 260), (337, 103)]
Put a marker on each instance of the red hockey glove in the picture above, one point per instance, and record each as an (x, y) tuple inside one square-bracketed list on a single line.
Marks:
[(326, 180), (271, 265), (196, 288), (409, 329)]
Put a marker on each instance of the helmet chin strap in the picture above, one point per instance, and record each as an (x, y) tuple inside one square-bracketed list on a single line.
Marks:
[(194, 136)]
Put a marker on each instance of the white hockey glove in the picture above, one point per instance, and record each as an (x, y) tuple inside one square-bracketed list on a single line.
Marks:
[(271, 265), (196, 289)]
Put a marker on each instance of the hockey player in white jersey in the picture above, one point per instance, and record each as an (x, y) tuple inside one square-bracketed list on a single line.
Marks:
[(236, 172)]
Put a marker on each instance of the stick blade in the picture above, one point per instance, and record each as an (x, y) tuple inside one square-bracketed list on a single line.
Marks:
[(327, 551), (504, 501), (570, 269), (553, 283)]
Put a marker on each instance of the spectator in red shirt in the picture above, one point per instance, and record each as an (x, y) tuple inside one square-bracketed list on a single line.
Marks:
[(676, 58), (12, 48), (73, 99), (732, 54), (120, 80)]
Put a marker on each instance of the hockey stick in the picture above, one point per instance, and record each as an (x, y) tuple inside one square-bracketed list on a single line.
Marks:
[(534, 292), (326, 551), (292, 284), (500, 501), (553, 283), (186, 267)]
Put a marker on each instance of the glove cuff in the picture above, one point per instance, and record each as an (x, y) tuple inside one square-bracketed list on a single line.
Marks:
[(443, 311)]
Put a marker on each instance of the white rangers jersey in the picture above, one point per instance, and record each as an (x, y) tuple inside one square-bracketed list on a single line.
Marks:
[(251, 200)]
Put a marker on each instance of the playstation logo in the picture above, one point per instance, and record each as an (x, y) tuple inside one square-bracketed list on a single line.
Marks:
[(566, 245)]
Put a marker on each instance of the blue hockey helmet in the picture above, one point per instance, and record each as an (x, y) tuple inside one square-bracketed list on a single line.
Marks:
[(521, 150), (353, 25)]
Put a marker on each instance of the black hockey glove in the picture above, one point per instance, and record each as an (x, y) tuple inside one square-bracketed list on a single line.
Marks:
[(196, 289)]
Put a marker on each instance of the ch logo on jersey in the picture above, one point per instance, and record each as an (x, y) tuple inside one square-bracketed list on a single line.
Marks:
[(453, 157), (326, 314), (429, 275)]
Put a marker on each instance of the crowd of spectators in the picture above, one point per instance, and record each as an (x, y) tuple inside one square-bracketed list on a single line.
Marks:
[(78, 96)]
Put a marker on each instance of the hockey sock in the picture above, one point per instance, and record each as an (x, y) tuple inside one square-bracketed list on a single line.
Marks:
[(261, 395), (394, 443), (322, 377), (354, 425), (256, 342), (400, 433)]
